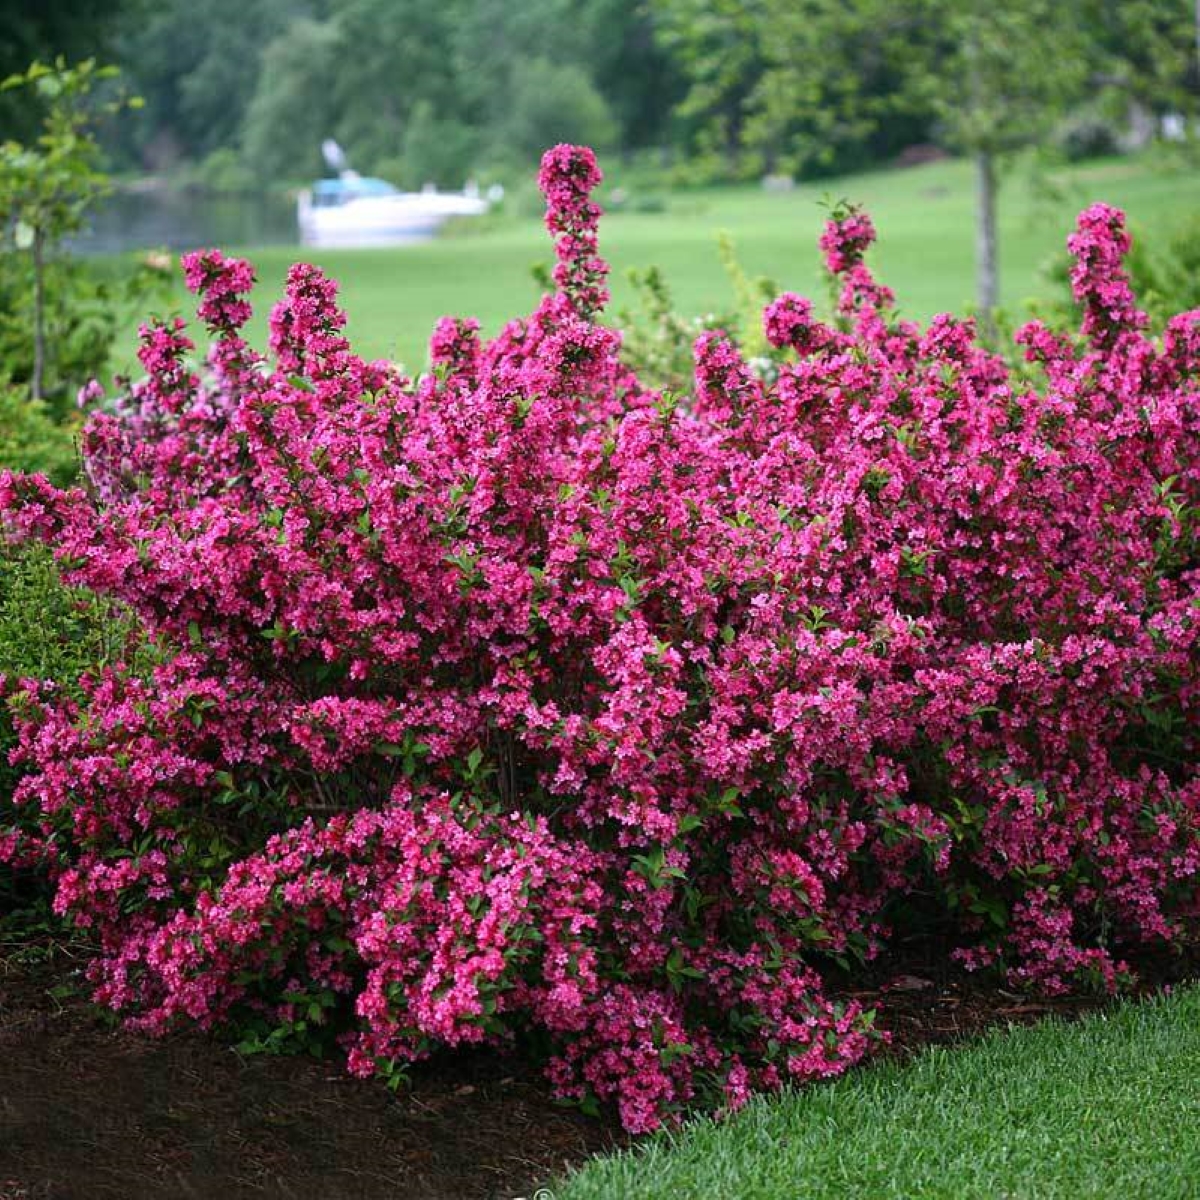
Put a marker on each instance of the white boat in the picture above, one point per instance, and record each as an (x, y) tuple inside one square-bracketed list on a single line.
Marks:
[(357, 210)]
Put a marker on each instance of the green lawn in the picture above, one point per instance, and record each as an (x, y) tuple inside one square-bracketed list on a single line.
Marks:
[(924, 216), (1106, 1107)]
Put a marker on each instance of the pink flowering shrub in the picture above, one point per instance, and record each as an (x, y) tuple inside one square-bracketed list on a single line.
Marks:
[(520, 700)]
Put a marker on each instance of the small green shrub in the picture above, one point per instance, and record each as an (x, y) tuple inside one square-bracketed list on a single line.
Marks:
[(1087, 133), (31, 440), (658, 339)]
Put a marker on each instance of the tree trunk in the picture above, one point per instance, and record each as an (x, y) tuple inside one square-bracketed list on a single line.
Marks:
[(39, 314), (988, 280)]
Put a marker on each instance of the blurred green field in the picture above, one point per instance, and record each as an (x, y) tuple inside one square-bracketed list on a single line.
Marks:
[(926, 247)]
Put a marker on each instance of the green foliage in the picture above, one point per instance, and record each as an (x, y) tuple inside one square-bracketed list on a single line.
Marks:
[(392, 54), (814, 85), (844, 80), (751, 296), (197, 63), (48, 183), (442, 133), (1086, 132), (31, 440), (658, 339), (424, 91), (1143, 51), (734, 87), (58, 317), (840, 84), (610, 42), (638, 80), (1005, 73), (721, 51), (1165, 270), (224, 171), (51, 631), (36, 31), (87, 306)]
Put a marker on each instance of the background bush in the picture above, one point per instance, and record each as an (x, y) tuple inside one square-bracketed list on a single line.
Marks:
[(32, 440)]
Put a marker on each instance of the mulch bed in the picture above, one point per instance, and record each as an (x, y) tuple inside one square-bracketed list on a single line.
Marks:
[(92, 1112), (88, 1112)]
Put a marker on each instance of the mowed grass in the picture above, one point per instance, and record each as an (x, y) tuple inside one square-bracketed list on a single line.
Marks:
[(1106, 1107), (925, 218)]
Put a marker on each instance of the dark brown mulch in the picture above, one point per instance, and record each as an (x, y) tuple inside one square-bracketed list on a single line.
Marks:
[(94, 1113)]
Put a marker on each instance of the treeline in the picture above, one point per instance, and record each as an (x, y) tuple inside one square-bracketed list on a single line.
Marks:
[(241, 93), (423, 89), (415, 89)]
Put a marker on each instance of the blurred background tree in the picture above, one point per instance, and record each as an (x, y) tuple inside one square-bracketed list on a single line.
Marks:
[(240, 96), (294, 100), (721, 88), (718, 48), (411, 88), (810, 86)]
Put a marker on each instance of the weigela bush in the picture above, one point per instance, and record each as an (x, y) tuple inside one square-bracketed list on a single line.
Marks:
[(519, 701)]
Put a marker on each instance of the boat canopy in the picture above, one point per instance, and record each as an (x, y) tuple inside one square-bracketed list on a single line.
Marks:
[(328, 192)]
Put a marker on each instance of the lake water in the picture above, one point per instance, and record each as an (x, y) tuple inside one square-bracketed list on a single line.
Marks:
[(183, 220)]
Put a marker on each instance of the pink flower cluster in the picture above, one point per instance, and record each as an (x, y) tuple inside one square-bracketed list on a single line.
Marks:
[(568, 177), (520, 697)]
